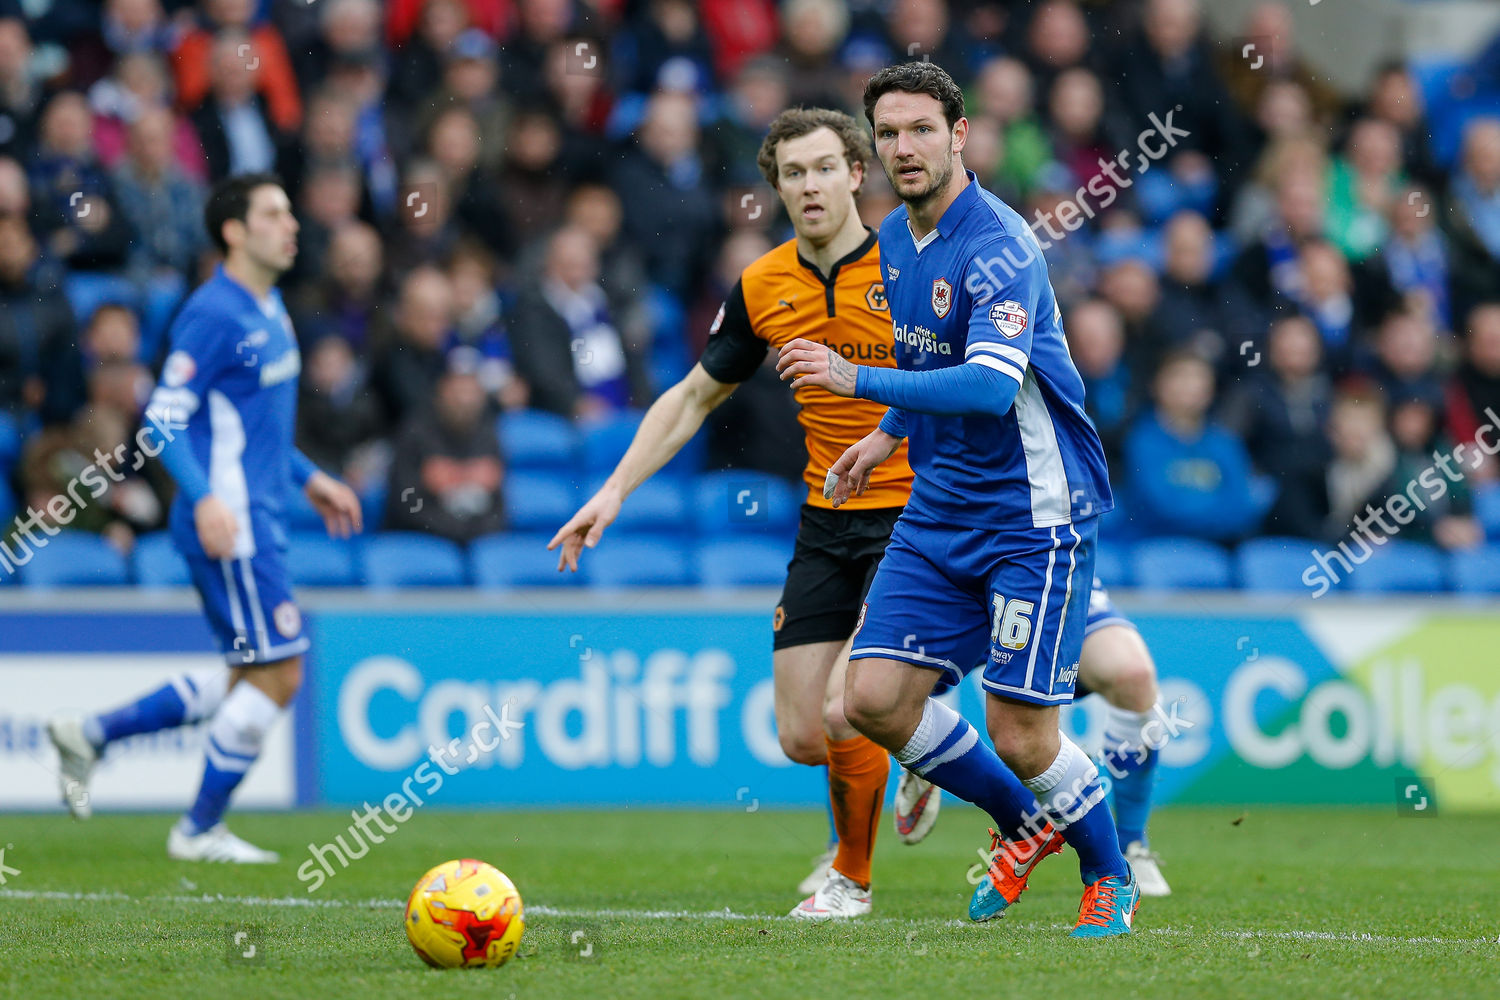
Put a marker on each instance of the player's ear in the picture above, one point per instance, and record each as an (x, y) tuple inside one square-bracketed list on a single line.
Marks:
[(960, 136), (856, 176)]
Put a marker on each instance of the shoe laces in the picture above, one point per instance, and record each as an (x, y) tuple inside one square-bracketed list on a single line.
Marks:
[(1098, 904), (838, 887)]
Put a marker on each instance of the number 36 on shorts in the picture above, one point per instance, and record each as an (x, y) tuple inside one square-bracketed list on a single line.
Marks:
[(1011, 625)]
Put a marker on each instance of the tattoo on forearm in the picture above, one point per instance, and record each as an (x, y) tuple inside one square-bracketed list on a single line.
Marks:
[(842, 372)]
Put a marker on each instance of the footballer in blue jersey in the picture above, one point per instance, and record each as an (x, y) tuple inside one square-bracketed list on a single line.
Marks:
[(992, 560), (227, 399)]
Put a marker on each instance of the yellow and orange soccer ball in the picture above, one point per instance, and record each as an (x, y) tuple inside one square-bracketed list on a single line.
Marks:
[(464, 914)]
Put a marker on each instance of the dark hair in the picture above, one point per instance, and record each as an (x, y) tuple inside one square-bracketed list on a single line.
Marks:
[(230, 199), (794, 123), (916, 78)]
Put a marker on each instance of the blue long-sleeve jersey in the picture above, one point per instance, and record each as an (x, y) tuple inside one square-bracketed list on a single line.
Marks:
[(975, 291), (231, 378)]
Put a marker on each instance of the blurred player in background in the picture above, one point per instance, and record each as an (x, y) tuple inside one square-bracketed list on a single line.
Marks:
[(1117, 666), (823, 286), (229, 388), (992, 559)]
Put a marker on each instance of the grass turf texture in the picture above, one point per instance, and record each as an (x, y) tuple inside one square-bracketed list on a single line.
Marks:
[(1269, 903)]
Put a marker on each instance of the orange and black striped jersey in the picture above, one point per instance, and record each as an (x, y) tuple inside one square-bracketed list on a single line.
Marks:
[(783, 296)]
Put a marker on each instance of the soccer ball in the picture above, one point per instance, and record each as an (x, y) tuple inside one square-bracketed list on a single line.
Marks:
[(464, 914)]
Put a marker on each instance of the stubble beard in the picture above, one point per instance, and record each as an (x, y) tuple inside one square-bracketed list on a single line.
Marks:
[(934, 190)]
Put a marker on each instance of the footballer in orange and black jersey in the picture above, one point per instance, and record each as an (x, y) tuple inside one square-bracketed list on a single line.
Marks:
[(783, 296)]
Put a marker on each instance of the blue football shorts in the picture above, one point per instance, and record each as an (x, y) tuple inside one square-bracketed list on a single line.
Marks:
[(952, 599), (248, 601)]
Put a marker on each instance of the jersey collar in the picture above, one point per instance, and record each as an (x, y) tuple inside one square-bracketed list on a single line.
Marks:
[(871, 236), (952, 216)]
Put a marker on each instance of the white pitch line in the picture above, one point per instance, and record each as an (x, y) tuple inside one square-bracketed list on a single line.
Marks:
[(300, 902)]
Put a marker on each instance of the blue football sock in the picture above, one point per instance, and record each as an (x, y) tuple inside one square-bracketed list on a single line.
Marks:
[(1132, 790), (163, 708), (231, 744), (1072, 798), (182, 700), (947, 751)]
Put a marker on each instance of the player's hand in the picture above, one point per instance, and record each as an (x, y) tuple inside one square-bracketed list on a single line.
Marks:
[(585, 528), (337, 503), (808, 363), (216, 527), (854, 465)]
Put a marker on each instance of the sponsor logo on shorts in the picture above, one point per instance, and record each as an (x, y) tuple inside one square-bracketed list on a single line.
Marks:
[(1069, 675), (778, 618), (861, 623), (288, 619)]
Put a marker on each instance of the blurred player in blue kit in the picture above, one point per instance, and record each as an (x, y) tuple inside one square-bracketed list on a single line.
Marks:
[(992, 560), (229, 385)]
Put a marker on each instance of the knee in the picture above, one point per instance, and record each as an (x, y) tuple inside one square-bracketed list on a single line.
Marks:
[(286, 680), (835, 723), (862, 708), (1134, 688), (1026, 751), (804, 748)]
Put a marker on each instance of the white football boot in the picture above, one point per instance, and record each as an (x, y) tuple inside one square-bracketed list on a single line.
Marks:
[(76, 758), (1147, 865), (836, 899), (917, 803), (215, 844), (819, 874)]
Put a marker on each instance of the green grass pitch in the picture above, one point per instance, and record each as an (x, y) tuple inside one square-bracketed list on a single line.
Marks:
[(1268, 903)]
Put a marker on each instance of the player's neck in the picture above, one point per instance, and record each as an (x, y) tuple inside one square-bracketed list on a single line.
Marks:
[(255, 279), (924, 215), (843, 243)]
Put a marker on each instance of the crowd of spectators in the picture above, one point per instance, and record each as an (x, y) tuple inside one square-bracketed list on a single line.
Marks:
[(512, 204)]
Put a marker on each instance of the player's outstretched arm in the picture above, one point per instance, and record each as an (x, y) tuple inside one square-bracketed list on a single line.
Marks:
[(668, 425), (854, 465)]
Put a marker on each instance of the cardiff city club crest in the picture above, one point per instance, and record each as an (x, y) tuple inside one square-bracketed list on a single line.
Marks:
[(942, 297)]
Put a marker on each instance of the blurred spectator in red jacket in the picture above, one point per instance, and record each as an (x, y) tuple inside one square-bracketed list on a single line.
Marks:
[(264, 53)]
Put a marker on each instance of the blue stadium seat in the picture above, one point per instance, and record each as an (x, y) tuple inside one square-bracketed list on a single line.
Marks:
[(407, 559), (10, 443), (1179, 564), (737, 501), (7, 501), (1487, 510), (640, 561), (372, 503), (539, 501), (742, 562), (605, 441), (315, 560), (75, 559), (1476, 571), (1408, 567), (86, 291), (1112, 565), (534, 439), (522, 560), (163, 295), (1274, 563), (158, 563), (659, 505), (300, 514)]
